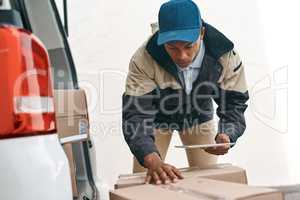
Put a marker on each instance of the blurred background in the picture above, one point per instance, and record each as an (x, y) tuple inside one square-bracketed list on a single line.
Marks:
[(105, 34)]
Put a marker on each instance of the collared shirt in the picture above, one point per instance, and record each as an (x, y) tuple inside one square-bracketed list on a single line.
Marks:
[(189, 74)]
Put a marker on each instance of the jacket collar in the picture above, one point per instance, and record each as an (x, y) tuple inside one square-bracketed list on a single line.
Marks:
[(216, 45)]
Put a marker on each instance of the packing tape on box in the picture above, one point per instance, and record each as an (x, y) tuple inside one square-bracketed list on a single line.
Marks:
[(143, 174), (217, 166), (192, 193)]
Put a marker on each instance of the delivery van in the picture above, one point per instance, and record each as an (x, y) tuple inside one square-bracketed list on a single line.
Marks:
[(44, 126)]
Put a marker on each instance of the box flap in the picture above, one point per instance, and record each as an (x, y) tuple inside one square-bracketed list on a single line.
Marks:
[(224, 172), (70, 103), (197, 188), (225, 190), (147, 192)]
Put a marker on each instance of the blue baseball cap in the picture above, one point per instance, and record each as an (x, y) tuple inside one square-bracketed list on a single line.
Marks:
[(179, 20)]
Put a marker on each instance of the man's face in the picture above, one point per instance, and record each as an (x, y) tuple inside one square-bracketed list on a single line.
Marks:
[(183, 53)]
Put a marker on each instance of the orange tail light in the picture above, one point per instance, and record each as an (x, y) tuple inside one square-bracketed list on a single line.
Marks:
[(26, 95)]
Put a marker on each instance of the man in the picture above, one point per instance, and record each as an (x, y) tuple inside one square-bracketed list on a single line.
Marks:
[(171, 83)]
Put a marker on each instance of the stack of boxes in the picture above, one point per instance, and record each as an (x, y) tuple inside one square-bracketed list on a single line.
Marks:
[(219, 182)]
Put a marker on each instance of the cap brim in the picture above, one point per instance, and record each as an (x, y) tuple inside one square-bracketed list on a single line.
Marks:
[(190, 35)]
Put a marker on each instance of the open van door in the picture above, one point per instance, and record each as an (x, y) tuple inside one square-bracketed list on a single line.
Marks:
[(41, 17)]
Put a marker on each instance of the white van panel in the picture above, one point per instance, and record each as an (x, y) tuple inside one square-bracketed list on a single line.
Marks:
[(34, 168)]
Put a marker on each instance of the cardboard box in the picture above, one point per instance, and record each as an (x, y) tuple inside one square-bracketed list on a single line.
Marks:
[(196, 188), (71, 120), (71, 113), (223, 172), (72, 126), (70, 103)]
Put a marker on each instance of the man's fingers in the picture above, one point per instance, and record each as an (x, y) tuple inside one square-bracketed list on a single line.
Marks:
[(156, 178), (177, 172), (222, 138), (148, 179), (217, 151), (211, 150), (170, 173), (163, 176), (164, 173), (222, 148)]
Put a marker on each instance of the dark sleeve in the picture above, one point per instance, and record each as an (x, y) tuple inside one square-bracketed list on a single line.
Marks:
[(138, 113), (232, 97), (231, 108)]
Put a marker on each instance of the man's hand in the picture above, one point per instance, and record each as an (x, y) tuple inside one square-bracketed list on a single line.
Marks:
[(160, 172), (221, 138)]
